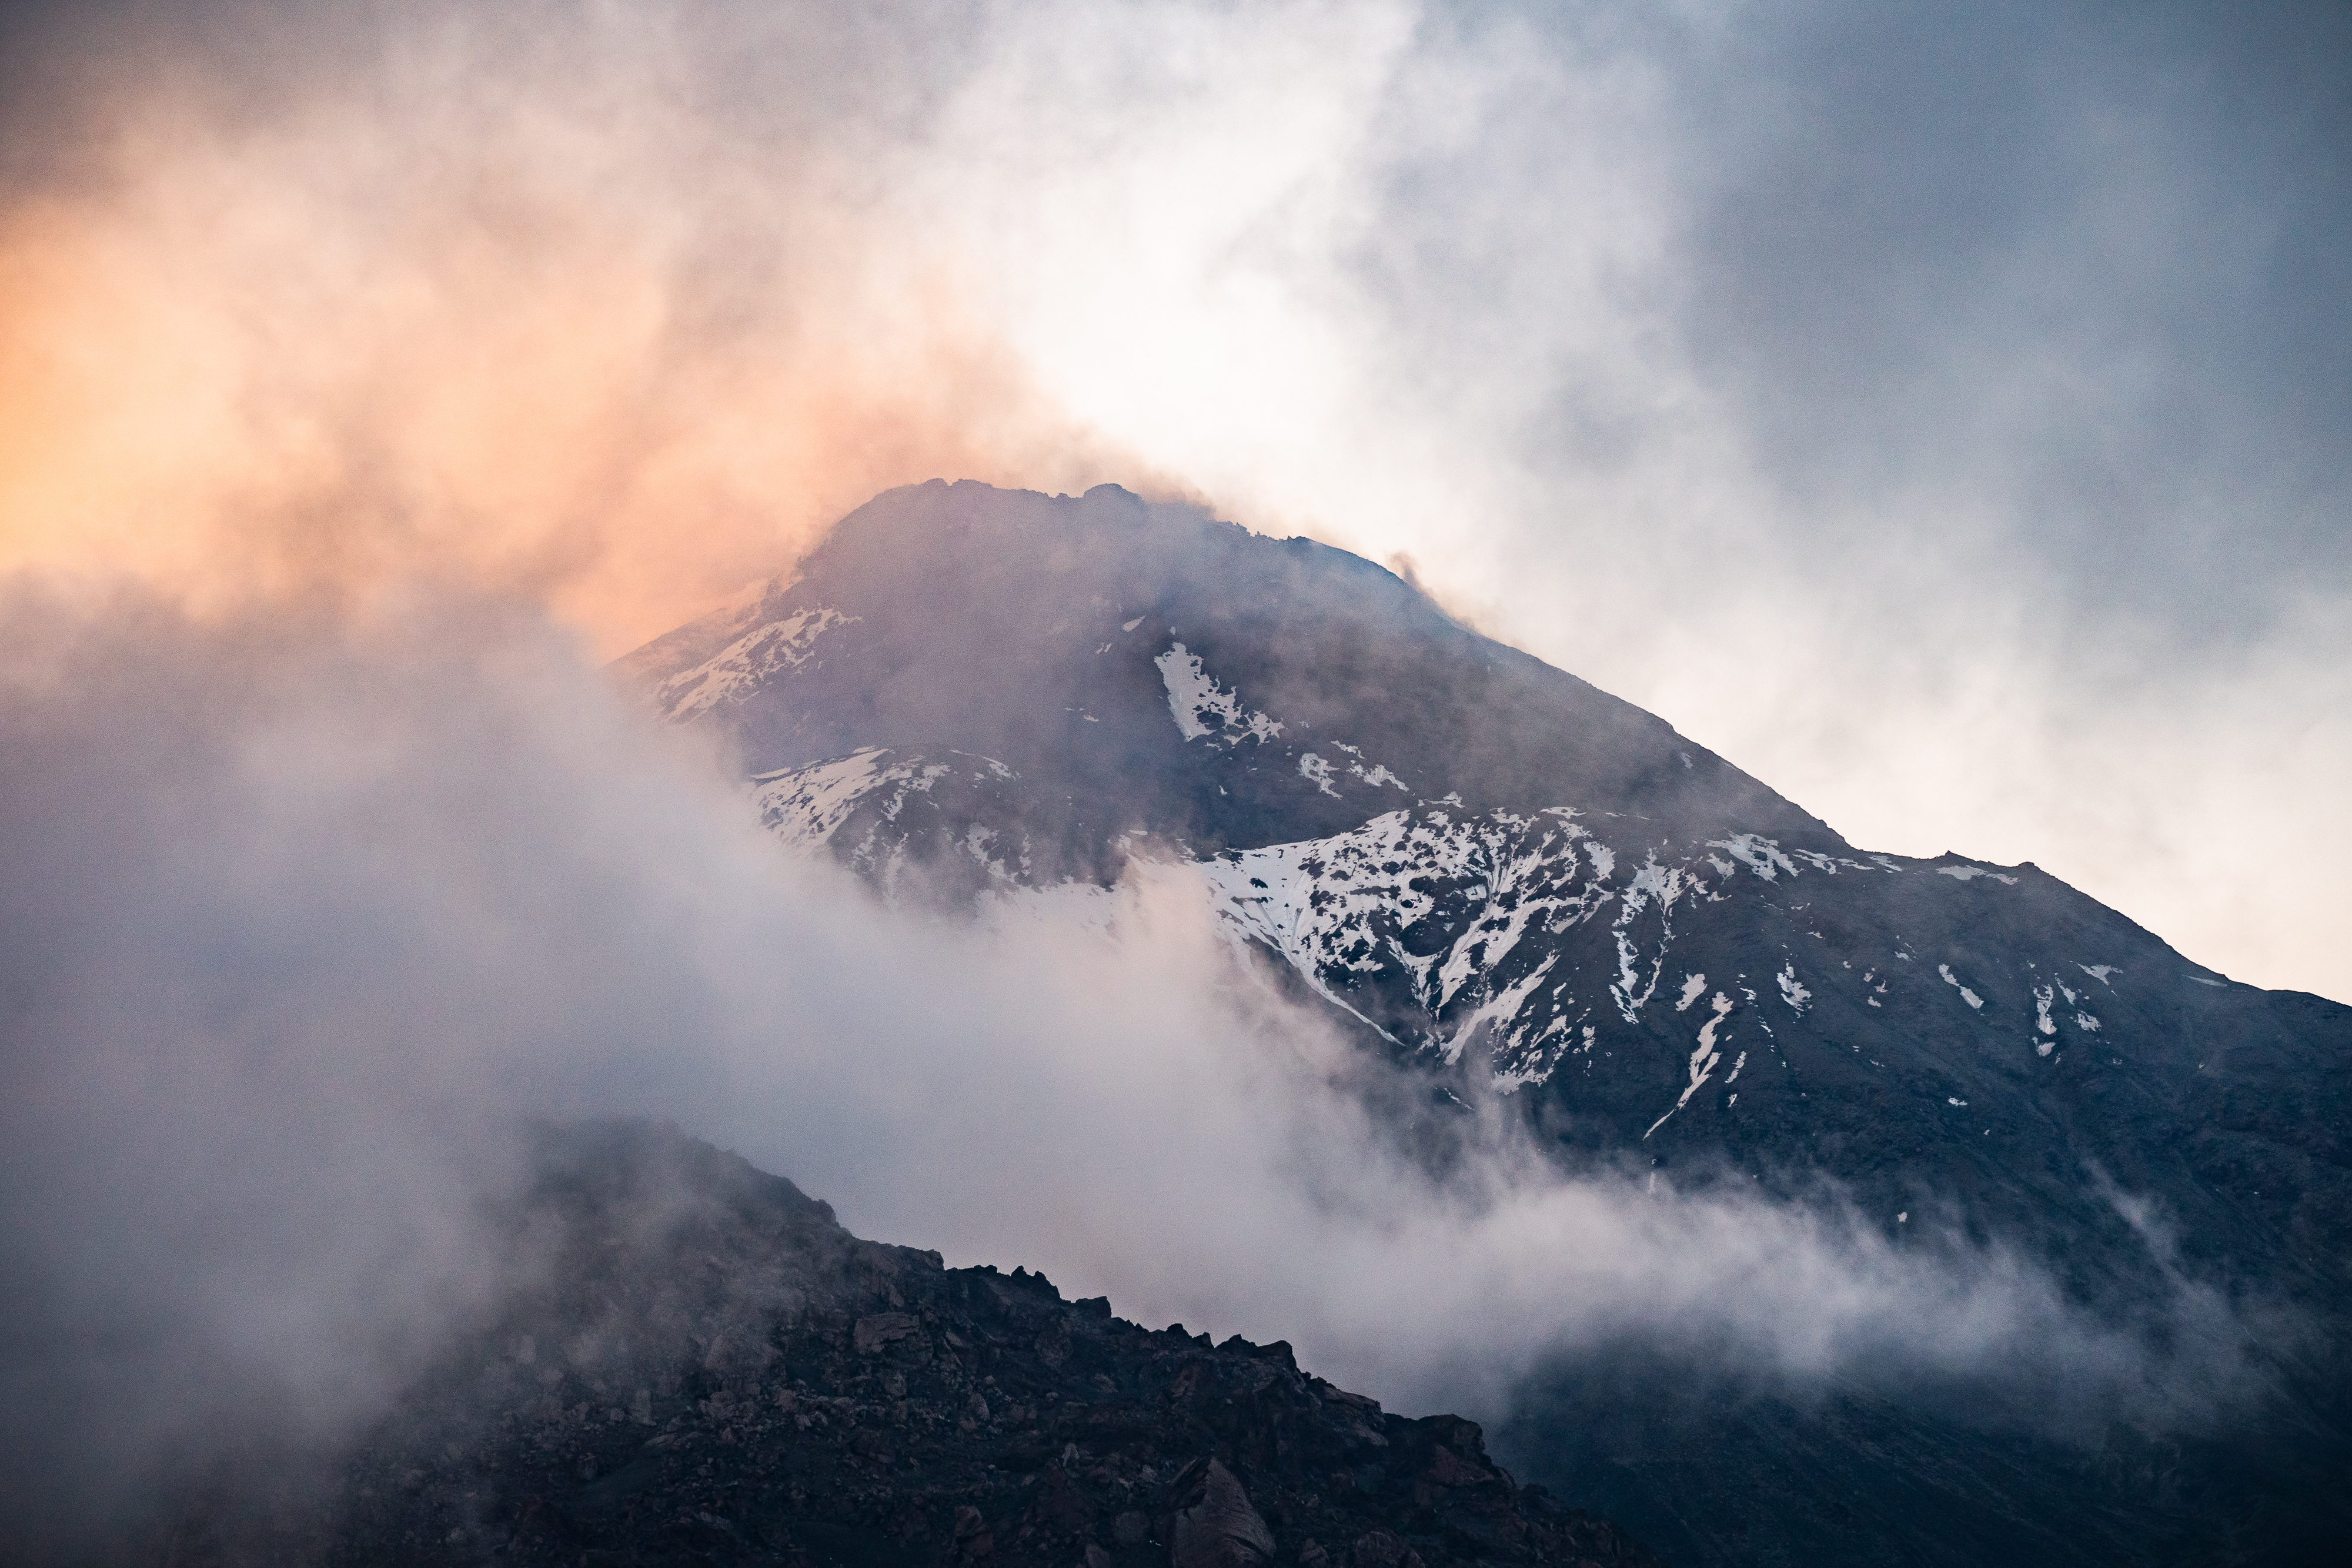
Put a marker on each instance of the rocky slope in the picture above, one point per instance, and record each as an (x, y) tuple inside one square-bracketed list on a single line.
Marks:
[(708, 1368), (1503, 875), (1522, 887)]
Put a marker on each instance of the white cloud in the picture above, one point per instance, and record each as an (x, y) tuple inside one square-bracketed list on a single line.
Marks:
[(294, 916), (1952, 452)]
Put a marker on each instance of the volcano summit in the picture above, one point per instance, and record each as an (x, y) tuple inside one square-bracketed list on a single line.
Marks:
[(1517, 886)]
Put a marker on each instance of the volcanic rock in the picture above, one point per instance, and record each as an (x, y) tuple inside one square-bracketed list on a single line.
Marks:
[(817, 1400)]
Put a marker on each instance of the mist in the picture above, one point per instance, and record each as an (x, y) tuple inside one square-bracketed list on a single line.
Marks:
[(301, 914), (1940, 416)]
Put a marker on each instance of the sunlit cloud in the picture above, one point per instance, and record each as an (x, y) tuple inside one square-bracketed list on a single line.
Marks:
[(409, 364), (1986, 505), (531, 331)]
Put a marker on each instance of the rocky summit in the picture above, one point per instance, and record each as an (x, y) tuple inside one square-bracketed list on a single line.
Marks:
[(1516, 883), (1530, 892), (705, 1367)]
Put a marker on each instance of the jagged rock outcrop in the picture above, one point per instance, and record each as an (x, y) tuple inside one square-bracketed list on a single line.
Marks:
[(710, 1368), (1211, 1521)]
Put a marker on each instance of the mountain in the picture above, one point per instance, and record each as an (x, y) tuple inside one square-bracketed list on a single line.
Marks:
[(1519, 885), (708, 1368)]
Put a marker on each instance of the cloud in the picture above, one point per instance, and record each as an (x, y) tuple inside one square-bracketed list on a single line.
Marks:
[(299, 913), (543, 310), (1942, 417)]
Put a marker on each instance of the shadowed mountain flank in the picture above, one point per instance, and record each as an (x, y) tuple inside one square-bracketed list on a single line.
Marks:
[(1513, 880), (706, 1368), (1543, 901), (1039, 632)]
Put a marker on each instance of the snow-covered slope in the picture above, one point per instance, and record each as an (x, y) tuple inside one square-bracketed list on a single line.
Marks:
[(1509, 877), (1520, 886)]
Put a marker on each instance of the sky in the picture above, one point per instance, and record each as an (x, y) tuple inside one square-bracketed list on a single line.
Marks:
[(1942, 412)]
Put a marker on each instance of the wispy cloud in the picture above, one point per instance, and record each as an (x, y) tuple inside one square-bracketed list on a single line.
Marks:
[(1942, 417), (297, 914)]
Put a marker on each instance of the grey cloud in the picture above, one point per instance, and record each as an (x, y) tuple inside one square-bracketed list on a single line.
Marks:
[(1939, 414), (1842, 382), (298, 917), (2074, 264), (2077, 255), (1911, 404)]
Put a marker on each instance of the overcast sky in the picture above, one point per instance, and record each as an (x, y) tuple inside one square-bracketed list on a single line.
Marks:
[(1945, 413)]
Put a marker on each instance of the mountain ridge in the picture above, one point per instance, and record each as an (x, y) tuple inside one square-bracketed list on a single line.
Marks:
[(700, 1364), (964, 620), (1521, 888)]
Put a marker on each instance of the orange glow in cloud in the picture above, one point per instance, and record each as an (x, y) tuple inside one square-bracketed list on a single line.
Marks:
[(327, 356)]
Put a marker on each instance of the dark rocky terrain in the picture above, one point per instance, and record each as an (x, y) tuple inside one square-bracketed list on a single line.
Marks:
[(1525, 890), (1517, 883), (708, 1368)]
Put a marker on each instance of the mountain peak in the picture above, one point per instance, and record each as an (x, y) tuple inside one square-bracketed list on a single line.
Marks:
[(1053, 633), (1528, 891)]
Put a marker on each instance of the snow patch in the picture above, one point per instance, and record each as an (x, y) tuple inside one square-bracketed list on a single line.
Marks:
[(1792, 991), (1204, 707), (1760, 855), (1969, 873), (1702, 1059), (1653, 883), (745, 665), (803, 805), (1337, 910)]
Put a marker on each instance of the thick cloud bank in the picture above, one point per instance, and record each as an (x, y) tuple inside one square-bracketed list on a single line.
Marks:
[(297, 914)]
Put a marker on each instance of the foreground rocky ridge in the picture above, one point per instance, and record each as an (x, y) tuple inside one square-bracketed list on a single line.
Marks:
[(710, 1369)]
